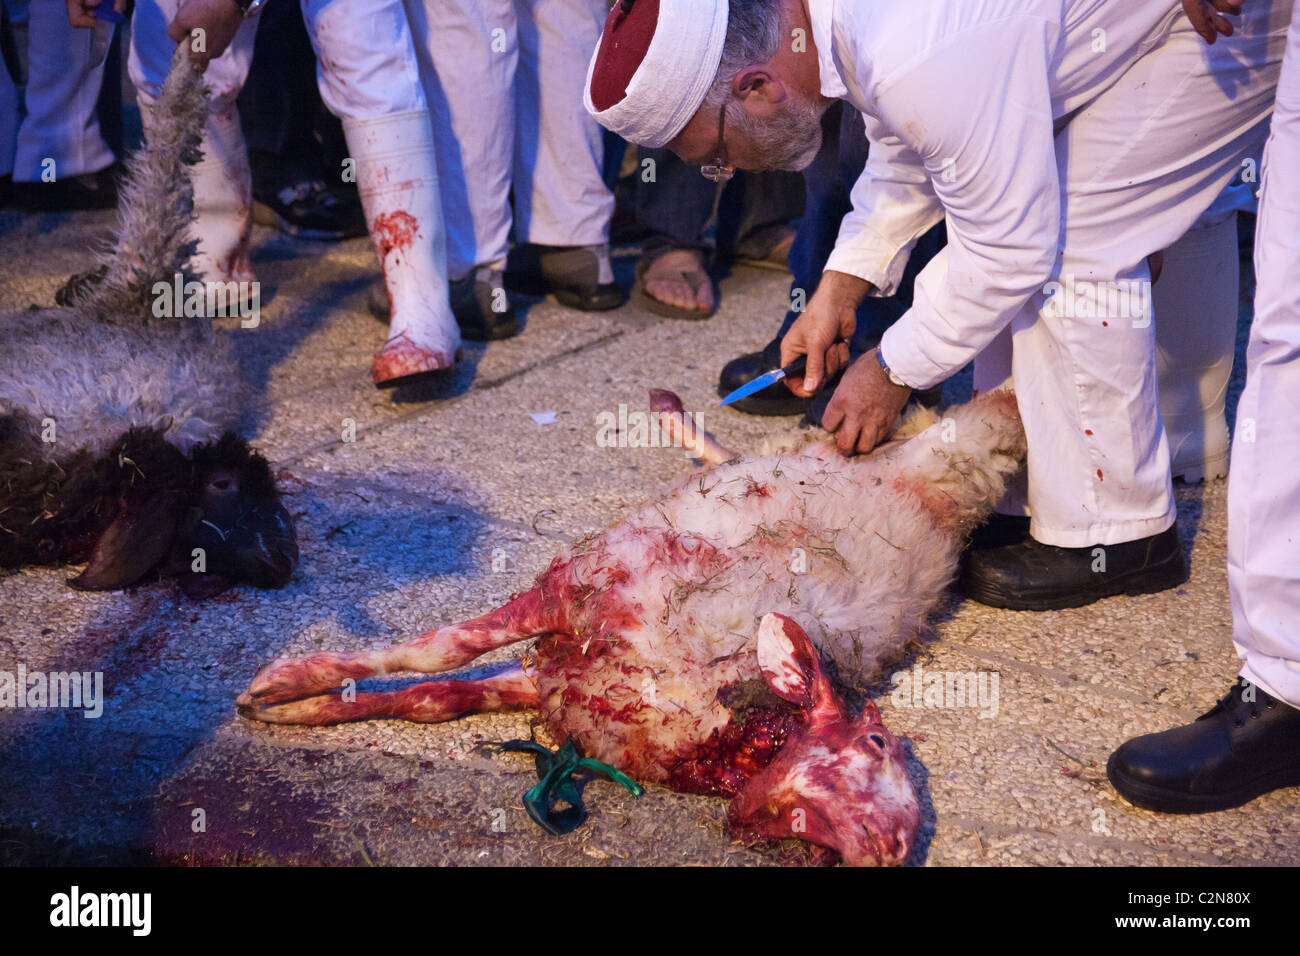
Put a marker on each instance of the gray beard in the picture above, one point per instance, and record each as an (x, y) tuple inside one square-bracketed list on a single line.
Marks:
[(789, 141)]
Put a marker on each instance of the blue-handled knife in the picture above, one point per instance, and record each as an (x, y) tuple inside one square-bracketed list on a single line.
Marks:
[(767, 379)]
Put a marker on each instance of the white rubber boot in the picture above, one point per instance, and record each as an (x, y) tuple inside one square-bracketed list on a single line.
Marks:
[(398, 183), (1196, 303), (223, 201)]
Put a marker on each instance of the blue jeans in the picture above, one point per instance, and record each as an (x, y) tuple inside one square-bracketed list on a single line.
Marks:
[(678, 206)]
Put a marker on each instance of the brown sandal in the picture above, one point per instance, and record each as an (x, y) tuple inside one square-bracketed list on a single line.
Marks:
[(696, 278)]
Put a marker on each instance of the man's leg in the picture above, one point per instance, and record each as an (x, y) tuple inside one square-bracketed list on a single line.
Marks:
[(1136, 174), (674, 203), (468, 54), (1264, 490), (1249, 743), (370, 79), (60, 136), (223, 189), (562, 205)]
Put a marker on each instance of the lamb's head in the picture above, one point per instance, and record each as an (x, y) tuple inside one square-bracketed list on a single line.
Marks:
[(842, 783), (211, 519)]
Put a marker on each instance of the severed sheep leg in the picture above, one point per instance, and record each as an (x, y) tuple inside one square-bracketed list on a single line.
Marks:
[(426, 703), (534, 612)]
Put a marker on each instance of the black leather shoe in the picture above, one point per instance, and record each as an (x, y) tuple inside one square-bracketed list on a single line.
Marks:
[(571, 273), (1031, 576), (311, 210), (773, 400), (1234, 753), (482, 309)]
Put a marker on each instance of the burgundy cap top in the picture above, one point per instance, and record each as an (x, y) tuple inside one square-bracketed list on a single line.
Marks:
[(623, 46)]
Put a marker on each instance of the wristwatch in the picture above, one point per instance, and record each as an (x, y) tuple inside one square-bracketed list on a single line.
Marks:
[(889, 372), (249, 7)]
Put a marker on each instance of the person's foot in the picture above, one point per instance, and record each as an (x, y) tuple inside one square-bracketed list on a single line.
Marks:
[(481, 306), (775, 399), (1030, 576), (580, 277), (768, 248), (403, 361), (96, 190), (1246, 745), (474, 302), (311, 210), (678, 279)]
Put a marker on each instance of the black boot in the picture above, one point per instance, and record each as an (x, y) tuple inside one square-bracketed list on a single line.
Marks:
[(481, 306), (773, 400), (1247, 745), (999, 531), (1031, 576), (571, 273)]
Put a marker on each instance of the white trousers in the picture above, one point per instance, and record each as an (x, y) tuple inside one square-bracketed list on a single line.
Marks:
[(1264, 487), (1133, 182), (62, 90), (504, 82), (365, 63)]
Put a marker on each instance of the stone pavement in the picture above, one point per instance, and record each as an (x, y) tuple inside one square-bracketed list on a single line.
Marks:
[(399, 531)]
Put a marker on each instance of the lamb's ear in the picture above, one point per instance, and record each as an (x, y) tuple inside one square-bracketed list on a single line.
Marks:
[(792, 669), (137, 541)]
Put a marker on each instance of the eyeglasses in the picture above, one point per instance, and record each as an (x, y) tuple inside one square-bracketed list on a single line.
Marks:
[(720, 171)]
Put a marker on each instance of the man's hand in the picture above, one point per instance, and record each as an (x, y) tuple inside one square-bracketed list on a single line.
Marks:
[(207, 26), (1207, 16), (823, 331), (81, 13), (865, 404)]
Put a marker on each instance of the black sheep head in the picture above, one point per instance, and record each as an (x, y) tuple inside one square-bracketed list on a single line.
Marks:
[(212, 519)]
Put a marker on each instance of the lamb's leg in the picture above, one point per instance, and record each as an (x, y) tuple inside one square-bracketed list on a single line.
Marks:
[(527, 615), (426, 703), (684, 431)]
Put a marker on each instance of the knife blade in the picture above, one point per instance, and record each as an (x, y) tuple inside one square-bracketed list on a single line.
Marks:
[(766, 379)]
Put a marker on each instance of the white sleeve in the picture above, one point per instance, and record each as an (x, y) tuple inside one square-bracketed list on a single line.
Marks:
[(976, 115), (893, 206)]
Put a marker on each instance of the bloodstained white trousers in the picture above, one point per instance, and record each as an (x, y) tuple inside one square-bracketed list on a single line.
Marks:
[(1133, 181), (1264, 486), (504, 82), (366, 70), (63, 86)]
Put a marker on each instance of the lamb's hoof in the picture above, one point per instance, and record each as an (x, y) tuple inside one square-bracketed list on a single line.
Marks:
[(280, 680), (322, 709), (402, 362)]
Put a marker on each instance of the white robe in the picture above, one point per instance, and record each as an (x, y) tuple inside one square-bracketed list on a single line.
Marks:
[(1063, 141)]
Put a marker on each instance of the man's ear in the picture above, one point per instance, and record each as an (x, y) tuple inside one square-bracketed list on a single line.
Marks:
[(137, 541), (759, 89), (792, 669)]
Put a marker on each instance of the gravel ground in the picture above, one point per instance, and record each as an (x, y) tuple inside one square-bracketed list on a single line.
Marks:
[(399, 530)]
